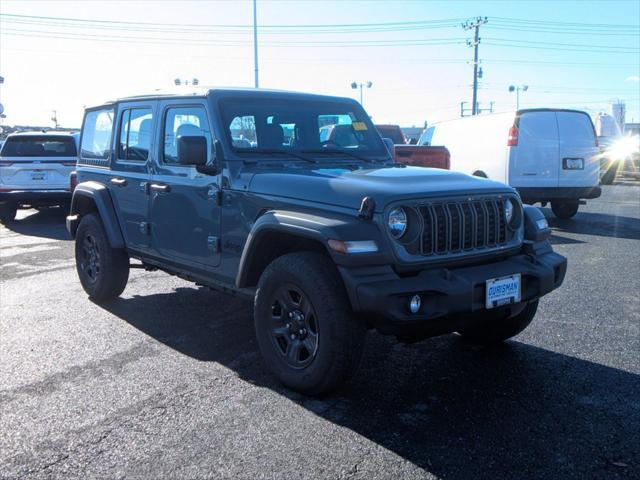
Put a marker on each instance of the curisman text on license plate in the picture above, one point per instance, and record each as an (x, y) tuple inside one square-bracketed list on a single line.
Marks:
[(502, 291)]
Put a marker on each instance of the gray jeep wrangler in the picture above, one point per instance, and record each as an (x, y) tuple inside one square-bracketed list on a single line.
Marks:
[(239, 191)]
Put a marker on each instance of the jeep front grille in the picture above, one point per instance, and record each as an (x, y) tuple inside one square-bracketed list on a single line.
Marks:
[(458, 226)]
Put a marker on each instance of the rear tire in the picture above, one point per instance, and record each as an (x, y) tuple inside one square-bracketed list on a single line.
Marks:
[(8, 212), (564, 210), (499, 330), (305, 328), (103, 270)]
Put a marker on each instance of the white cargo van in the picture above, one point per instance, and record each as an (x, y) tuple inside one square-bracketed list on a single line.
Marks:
[(548, 155)]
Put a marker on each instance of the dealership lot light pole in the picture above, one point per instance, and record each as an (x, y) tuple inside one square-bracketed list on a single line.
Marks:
[(517, 88), (255, 43), (361, 85)]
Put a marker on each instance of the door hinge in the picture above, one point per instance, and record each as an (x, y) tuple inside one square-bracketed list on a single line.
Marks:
[(213, 243), (216, 195)]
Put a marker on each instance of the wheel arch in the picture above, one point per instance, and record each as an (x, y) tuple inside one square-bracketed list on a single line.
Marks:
[(270, 239), (93, 197)]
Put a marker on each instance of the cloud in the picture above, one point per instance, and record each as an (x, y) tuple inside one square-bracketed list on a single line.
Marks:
[(633, 78)]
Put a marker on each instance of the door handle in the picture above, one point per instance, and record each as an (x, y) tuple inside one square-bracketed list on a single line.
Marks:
[(120, 182), (160, 188)]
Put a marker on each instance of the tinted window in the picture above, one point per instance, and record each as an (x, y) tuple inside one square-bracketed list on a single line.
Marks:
[(301, 125), (96, 134), (135, 134), (39, 146), (184, 121)]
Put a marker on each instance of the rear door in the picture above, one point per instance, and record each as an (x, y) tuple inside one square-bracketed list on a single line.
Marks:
[(534, 161), (37, 162), (579, 164), (131, 170)]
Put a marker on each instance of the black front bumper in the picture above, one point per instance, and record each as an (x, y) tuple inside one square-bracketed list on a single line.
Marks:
[(382, 297), (36, 197), (546, 194)]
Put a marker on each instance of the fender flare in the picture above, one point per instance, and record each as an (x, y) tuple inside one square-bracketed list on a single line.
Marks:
[(311, 227), (101, 198)]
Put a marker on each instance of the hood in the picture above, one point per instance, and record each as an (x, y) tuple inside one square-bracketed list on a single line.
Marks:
[(346, 187)]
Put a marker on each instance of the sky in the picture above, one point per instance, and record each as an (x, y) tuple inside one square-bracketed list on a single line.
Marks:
[(64, 55)]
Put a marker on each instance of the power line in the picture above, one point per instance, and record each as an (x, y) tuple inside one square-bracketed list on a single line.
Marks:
[(450, 22), (577, 24), (185, 41)]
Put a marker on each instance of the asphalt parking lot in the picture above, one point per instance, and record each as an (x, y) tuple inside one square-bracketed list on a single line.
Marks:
[(167, 381)]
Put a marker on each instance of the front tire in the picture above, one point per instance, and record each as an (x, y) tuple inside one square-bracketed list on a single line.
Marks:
[(565, 210), (500, 329), (8, 212), (305, 328), (103, 270)]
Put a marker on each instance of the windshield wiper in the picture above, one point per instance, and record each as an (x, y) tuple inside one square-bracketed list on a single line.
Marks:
[(276, 151), (342, 152)]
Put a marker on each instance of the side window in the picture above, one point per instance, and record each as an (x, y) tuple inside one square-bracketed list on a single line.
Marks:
[(135, 134), (96, 134), (184, 121)]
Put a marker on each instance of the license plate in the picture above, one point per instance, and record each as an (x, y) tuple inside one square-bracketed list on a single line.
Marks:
[(574, 163), (503, 291), (38, 175)]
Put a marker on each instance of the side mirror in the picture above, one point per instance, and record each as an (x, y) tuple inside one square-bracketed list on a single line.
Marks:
[(218, 161), (192, 150), (390, 146)]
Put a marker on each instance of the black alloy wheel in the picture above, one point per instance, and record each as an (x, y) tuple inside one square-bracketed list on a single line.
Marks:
[(294, 328), (90, 258)]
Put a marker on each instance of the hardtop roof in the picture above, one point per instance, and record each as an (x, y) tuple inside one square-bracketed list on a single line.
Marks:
[(203, 92)]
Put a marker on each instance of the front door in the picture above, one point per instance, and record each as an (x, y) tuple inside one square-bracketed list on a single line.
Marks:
[(131, 170), (185, 216)]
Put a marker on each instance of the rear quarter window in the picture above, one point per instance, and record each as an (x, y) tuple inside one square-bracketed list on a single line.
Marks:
[(96, 135), (39, 146)]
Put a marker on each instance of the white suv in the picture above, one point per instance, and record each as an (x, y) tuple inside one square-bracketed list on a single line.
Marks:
[(35, 169)]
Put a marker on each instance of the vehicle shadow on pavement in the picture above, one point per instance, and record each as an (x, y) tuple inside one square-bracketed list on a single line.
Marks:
[(454, 410), (48, 223), (600, 224)]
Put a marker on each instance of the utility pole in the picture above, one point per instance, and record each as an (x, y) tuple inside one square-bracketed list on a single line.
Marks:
[(475, 24), (255, 42), (54, 119)]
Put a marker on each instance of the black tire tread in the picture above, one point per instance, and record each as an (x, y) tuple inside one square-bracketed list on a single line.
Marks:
[(8, 212), (114, 264), (330, 301), (565, 210)]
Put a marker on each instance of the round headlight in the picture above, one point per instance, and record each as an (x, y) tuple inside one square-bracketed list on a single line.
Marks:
[(508, 210), (397, 222)]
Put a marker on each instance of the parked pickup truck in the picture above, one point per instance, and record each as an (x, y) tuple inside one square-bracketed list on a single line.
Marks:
[(326, 241), (419, 156)]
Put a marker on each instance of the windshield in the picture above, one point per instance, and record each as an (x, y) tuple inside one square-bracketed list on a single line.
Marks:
[(39, 146), (258, 125)]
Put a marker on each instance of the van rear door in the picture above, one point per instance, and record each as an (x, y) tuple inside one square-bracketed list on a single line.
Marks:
[(579, 165), (533, 162)]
